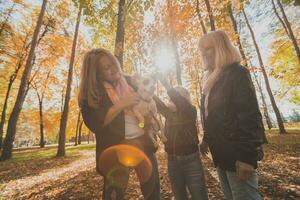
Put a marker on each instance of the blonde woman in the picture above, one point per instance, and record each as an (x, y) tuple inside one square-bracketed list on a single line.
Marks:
[(106, 97), (233, 127)]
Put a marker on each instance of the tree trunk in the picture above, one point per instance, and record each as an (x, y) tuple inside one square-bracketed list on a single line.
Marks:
[(79, 132), (42, 140), (6, 19), (268, 87), (200, 17), (289, 28), (264, 104), (10, 83), (120, 35), (279, 18), (3, 115), (64, 117), (177, 60), (210, 15), (77, 129), (89, 137), (234, 25), (12, 122)]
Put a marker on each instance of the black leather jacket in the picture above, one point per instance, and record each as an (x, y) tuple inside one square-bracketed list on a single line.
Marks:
[(233, 128), (180, 126)]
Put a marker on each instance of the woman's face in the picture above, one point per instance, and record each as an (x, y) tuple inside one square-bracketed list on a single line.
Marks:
[(207, 55), (110, 72)]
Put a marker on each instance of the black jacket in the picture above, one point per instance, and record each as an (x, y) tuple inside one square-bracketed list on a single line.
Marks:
[(180, 126), (233, 128), (113, 133)]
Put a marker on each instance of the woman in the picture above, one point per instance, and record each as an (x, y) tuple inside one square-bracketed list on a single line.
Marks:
[(106, 97), (184, 163), (233, 127)]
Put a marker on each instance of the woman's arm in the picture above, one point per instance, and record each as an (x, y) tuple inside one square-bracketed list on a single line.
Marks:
[(97, 118), (251, 130), (115, 110)]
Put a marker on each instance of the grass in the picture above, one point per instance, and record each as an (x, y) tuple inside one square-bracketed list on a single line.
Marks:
[(292, 137), (47, 153)]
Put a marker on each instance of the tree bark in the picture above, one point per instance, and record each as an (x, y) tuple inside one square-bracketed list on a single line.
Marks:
[(12, 122), (210, 15), (77, 128), (235, 28), (177, 60), (120, 35), (79, 132), (64, 117), (6, 19), (264, 104), (3, 114), (42, 140), (279, 18), (267, 83), (290, 31), (200, 17)]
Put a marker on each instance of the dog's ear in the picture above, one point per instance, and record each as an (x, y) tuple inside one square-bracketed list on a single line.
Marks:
[(136, 79), (155, 76)]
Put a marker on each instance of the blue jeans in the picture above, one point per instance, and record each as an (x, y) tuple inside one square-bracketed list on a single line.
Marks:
[(187, 172), (234, 189), (115, 188)]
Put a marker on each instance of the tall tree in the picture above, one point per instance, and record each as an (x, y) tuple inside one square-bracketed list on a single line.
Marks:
[(64, 117), (40, 91), (120, 35), (12, 122), (235, 29), (267, 83), (4, 23), (200, 17), (210, 15), (289, 29), (264, 104)]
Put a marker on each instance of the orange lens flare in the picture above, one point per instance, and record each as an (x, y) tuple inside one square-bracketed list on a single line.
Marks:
[(115, 159)]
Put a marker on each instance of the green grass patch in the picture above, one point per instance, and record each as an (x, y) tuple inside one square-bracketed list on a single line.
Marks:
[(291, 137), (41, 154)]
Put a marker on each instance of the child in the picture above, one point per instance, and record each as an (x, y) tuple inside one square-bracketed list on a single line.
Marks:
[(184, 164)]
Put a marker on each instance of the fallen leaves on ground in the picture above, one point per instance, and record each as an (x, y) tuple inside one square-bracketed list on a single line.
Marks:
[(75, 177)]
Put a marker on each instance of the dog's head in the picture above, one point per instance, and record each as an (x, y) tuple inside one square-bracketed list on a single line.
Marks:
[(146, 86)]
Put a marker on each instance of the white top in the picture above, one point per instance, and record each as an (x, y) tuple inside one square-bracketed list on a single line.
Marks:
[(132, 129)]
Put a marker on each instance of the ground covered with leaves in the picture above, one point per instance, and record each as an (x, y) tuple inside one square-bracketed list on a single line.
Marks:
[(37, 174)]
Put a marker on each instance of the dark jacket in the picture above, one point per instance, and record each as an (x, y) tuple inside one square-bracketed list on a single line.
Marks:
[(180, 126), (233, 128), (113, 133)]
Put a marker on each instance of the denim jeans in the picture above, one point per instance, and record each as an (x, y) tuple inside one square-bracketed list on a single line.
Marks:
[(186, 172), (234, 189), (115, 188)]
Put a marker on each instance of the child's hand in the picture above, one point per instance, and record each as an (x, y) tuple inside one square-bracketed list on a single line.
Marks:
[(164, 81)]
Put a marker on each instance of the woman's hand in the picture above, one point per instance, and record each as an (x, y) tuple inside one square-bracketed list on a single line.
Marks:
[(204, 148), (243, 170), (130, 101)]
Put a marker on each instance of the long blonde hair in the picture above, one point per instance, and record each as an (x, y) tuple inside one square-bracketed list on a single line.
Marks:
[(225, 54), (91, 76)]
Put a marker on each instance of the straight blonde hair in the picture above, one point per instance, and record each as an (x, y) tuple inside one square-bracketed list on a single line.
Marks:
[(91, 78), (225, 54)]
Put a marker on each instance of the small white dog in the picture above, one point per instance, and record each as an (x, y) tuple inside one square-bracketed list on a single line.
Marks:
[(146, 108)]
